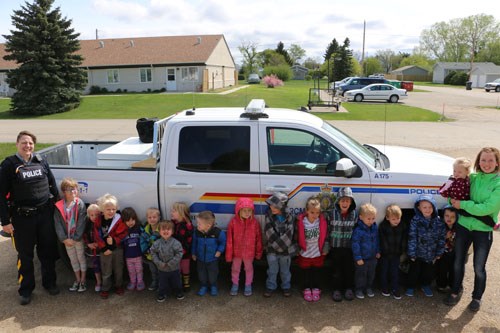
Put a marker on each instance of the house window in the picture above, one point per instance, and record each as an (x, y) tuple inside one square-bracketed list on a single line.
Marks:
[(146, 75), (113, 76), (190, 74)]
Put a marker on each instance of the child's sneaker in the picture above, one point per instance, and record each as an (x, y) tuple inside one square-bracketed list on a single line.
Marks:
[(153, 286), (337, 296), (316, 294), (442, 290), (268, 292), (82, 287), (97, 288), (248, 290), (287, 292), (359, 294), (161, 298), (427, 291), (119, 291), (410, 292), (179, 296), (234, 290), (202, 292), (349, 295), (396, 294), (369, 292), (474, 305), (104, 294), (308, 295), (141, 286), (214, 291), (131, 286), (75, 286), (386, 293)]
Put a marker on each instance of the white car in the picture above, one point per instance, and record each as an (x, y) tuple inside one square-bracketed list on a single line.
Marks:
[(376, 91), (495, 86), (334, 85)]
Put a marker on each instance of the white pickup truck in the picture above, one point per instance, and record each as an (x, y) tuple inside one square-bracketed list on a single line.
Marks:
[(209, 157)]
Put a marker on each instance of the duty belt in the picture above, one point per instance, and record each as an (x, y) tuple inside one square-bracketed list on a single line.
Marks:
[(29, 210)]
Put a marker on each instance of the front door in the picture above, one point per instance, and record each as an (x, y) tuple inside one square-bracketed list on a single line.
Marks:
[(171, 83)]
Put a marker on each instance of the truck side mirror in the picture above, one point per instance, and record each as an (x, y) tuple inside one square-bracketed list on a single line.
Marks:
[(345, 168)]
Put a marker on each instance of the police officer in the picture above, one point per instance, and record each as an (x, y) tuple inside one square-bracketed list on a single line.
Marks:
[(27, 214)]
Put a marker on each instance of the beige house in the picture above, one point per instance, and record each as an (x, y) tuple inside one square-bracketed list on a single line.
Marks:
[(168, 63)]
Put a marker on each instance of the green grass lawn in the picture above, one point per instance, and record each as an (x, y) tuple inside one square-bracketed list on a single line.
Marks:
[(293, 95)]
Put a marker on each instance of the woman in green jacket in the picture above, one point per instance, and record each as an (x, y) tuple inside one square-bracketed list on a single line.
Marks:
[(484, 200)]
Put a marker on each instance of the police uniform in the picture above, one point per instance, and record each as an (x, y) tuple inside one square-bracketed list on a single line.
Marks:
[(30, 210)]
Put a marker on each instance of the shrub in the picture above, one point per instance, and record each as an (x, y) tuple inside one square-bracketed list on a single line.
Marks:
[(163, 89), (459, 79), (241, 77), (272, 81), (118, 91), (448, 77), (94, 90), (283, 72), (308, 77), (104, 90)]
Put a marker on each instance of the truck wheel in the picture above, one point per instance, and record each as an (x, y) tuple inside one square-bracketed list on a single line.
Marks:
[(393, 99), (497, 89), (358, 98), (487, 90)]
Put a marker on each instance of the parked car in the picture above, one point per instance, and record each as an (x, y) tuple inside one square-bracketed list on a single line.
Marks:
[(253, 78), (379, 75), (334, 85), (495, 85), (377, 91), (358, 83)]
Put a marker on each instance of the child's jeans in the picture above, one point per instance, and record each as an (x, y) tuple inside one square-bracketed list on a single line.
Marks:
[(420, 270), (389, 270), (207, 272), (112, 265), (154, 271), (278, 264), (365, 274), (169, 283), (134, 267), (342, 268), (236, 268), (444, 270), (76, 255)]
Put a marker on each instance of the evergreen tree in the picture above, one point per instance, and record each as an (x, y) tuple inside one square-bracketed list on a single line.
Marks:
[(43, 45), (281, 50), (343, 61), (331, 49)]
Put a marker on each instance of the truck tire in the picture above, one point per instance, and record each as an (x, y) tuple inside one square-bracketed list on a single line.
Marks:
[(497, 89)]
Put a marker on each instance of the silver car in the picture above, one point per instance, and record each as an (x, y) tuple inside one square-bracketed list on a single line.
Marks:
[(376, 91), (495, 85), (253, 78)]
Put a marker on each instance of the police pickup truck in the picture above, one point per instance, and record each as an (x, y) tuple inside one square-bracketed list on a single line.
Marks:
[(208, 157)]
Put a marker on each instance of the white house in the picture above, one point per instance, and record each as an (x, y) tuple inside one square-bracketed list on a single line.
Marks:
[(441, 69), (168, 63), (481, 74)]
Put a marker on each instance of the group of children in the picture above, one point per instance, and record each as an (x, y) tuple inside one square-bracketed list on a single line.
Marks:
[(351, 240)]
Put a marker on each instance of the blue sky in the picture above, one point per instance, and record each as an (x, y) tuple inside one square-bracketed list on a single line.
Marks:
[(312, 24)]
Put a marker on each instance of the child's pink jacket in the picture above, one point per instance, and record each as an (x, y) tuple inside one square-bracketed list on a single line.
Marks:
[(244, 237)]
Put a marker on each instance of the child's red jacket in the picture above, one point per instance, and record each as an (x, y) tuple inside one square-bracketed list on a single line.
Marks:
[(244, 237), (118, 231)]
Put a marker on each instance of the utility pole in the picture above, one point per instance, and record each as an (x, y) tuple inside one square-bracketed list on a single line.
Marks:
[(363, 52)]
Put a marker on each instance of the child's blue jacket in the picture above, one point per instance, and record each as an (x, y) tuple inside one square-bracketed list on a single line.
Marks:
[(426, 237), (365, 242), (205, 245)]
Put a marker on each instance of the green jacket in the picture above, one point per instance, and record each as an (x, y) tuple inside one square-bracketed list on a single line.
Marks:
[(484, 200)]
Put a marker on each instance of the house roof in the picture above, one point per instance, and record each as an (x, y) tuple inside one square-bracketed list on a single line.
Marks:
[(458, 65), (142, 51), (487, 68), (402, 69)]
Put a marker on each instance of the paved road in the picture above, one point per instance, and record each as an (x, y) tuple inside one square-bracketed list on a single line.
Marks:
[(136, 311)]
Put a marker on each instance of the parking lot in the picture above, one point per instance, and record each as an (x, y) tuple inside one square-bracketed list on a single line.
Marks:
[(473, 128)]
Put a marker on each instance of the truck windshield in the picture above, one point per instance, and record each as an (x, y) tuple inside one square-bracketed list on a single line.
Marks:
[(354, 145)]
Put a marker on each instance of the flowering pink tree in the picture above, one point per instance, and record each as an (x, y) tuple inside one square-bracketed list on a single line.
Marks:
[(272, 81)]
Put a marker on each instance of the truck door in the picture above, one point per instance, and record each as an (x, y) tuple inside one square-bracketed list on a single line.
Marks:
[(301, 162), (210, 167)]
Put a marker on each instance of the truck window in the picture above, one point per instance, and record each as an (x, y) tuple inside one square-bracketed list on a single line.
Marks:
[(214, 148), (293, 151)]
